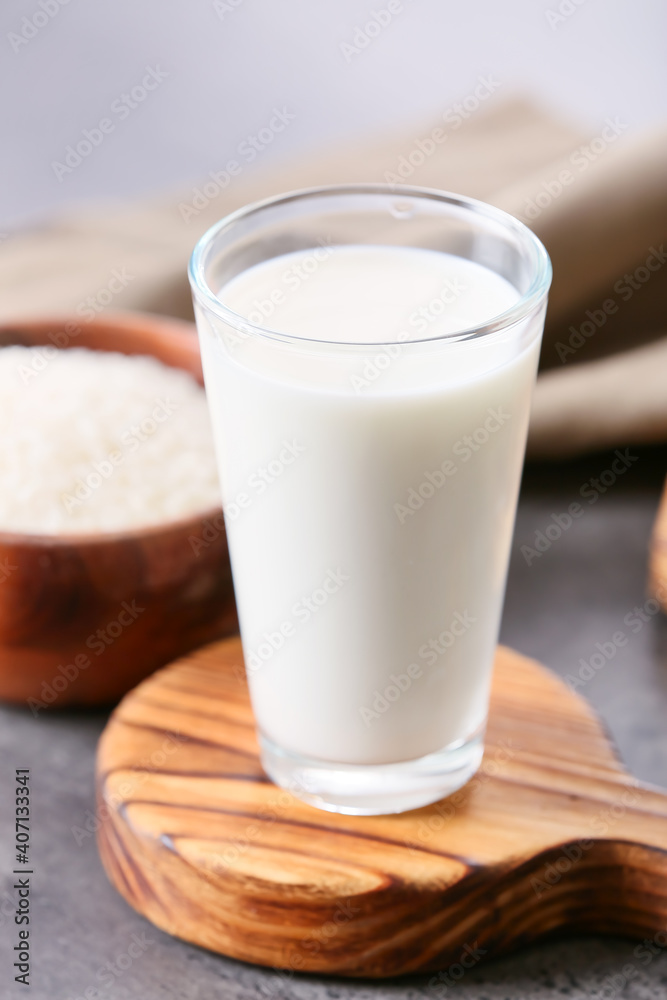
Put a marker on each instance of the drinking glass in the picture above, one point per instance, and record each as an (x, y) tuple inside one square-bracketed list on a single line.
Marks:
[(369, 492)]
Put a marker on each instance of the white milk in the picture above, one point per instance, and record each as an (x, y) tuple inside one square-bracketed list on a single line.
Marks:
[(369, 493)]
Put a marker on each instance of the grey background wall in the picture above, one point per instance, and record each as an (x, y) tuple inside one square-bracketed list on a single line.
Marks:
[(220, 67)]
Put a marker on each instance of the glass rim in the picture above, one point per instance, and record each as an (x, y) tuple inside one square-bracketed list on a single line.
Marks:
[(529, 300)]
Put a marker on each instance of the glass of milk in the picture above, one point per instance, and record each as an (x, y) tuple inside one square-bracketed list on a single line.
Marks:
[(369, 357)]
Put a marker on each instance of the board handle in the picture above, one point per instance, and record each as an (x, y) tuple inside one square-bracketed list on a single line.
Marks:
[(636, 813), (610, 879), (613, 878)]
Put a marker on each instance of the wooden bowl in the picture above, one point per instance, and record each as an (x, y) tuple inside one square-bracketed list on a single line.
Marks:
[(83, 618)]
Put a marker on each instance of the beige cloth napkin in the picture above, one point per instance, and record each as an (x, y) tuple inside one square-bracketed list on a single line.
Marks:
[(599, 203)]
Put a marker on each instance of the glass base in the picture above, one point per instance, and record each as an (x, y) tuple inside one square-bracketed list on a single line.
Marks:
[(373, 789)]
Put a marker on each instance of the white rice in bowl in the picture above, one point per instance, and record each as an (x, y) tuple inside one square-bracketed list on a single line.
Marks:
[(94, 441)]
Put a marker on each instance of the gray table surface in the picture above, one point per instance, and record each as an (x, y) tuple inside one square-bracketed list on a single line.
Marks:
[(576, 594)]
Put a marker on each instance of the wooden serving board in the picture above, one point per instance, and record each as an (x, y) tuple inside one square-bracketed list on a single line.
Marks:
[(658, 560), (550, 834)]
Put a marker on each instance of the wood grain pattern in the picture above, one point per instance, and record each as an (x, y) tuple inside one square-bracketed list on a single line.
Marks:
[(658, 557), (56, 592), (550, 834)]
